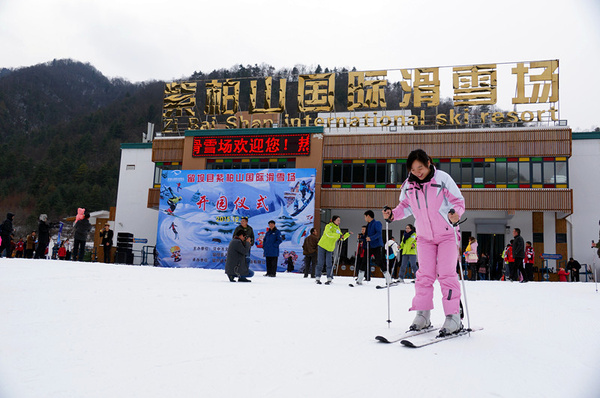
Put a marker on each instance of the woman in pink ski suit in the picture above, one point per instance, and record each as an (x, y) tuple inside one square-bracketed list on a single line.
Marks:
[(430, 195)]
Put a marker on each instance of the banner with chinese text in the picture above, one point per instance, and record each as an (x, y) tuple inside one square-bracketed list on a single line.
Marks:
[(200, 209)]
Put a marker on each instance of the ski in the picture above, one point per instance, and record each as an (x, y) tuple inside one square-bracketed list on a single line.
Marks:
[(405, 335), (174, 215), (422, 342), (391, 284)]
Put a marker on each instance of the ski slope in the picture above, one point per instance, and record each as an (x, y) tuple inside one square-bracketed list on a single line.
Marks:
[(94, 330)]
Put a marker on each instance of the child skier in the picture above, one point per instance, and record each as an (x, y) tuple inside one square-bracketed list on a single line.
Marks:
[(361, 256), (431, 195), (393, 251), (529, 260)]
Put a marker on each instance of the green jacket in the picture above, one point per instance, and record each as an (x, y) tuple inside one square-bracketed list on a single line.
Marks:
[(409, 245), (331, 234)]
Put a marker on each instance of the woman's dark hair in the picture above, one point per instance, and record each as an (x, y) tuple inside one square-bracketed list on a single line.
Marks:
[(334, 218), (421, 156), (417, 154)]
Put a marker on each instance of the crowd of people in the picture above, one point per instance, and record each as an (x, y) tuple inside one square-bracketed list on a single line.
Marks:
[(437, 212), (428, 250), (36, 245)]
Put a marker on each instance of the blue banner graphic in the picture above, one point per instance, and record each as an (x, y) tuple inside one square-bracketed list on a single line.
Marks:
[(200, 209)]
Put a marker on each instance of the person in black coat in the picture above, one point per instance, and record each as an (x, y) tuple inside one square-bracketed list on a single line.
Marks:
[(236, 265), (573, 267), (43, 237), (82, 228), (271, 242), (518, 251), (7, 231), (106, 235)]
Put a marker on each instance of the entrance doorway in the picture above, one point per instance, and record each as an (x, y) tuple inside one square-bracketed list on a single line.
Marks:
[(493, 246)]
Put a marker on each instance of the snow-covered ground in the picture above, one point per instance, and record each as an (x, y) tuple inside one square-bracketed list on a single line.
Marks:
[(94, 330)]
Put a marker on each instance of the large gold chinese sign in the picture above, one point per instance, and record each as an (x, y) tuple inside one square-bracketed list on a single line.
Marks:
[(465, 96)]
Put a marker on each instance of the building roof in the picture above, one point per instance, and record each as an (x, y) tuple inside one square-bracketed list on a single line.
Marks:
[(591, 135)]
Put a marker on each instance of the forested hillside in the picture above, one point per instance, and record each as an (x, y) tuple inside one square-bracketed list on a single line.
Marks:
[(61, 126)]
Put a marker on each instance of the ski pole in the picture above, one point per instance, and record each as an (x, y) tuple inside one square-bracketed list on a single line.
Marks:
[(462, 278), (356, 258), (389, 321), (368, 262), (596, 276), (339, 256), (336, 251)]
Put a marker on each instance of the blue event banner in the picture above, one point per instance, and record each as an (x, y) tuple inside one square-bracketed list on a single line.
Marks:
[(200, 209)]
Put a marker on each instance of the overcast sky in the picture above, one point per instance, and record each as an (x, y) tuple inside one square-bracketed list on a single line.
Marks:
[(143, 40)]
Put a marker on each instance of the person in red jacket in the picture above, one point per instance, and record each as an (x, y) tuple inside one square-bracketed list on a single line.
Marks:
[(20, 248), (509, 260), (529, 260), (562, 275), (511, 263), (62, 251)]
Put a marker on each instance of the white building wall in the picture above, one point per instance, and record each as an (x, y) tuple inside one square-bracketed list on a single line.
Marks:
[(584, 165), (132, 214)]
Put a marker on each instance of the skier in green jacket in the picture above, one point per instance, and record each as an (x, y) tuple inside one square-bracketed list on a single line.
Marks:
[(331, 235)]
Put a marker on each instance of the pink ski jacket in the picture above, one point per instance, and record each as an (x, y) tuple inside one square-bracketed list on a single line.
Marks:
[(430, 202)]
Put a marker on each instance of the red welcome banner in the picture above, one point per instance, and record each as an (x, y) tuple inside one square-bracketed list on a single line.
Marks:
[(252, 145)]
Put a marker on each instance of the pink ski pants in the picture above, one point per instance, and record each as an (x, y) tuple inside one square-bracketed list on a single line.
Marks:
[(437, 260)]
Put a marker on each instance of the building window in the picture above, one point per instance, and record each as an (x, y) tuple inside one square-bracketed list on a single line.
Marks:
[(381, 172), (401, 173), (337, 173), (372, 173), (468, 173), (561, 172), (358, 173), (444, 167), (160, 168), (549, 172), (536, 173), (326, 173), (524, 173), (478, 173), (501, 174), (347, 172), (490, 173), (455, 171), (512, 172)]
